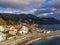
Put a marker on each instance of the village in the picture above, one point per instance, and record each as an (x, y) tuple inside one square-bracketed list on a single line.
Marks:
[(9, 31)]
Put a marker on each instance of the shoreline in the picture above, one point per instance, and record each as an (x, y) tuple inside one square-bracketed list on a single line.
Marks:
[(31, 38), (52, 36), (30, 42)]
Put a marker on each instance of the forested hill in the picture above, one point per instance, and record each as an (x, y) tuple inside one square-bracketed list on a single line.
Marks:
[(6, 18)]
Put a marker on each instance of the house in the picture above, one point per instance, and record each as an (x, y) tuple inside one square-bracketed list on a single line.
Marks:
[(2, 37), (7, 27), (2, 28), (24, 30), (13, 30), (48, 32), (44, 31)]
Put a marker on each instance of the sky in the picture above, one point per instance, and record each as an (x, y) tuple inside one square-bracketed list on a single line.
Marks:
[(41, 8)]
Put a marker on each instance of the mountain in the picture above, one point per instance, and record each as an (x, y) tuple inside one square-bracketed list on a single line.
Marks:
[(27, 18), (51, 20)]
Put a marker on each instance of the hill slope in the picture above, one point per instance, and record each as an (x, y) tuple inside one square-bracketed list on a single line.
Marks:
[(27, 18)]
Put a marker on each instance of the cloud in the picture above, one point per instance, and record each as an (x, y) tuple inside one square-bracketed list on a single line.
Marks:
[(29, 12), (17, 11), (27, 6), (45, 10), (9, 10), (54, 3), (50, 9), (55, 14), (19, 3)]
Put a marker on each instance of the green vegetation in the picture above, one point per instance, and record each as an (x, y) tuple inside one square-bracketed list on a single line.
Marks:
[(7, 33), (11, 19)]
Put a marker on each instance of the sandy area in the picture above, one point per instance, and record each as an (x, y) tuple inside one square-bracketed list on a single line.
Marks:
[(22, 40)]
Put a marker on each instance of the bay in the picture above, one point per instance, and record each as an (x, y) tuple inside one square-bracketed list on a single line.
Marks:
[(51, 41), (49, 27)]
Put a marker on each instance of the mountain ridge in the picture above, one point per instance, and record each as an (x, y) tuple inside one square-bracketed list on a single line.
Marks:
[(27, 18)]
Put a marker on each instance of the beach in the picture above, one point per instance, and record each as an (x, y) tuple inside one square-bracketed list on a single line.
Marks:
[(40, 37), (32, 41), (30, 38)]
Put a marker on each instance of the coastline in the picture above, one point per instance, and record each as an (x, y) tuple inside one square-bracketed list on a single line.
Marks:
[(31, 38), (52, 36), (30, 42)]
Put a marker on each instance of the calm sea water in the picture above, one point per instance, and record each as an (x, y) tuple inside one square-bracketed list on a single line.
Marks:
[(52, 41), (50, 27)]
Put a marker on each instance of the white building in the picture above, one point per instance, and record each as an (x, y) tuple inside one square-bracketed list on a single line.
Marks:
[(2, 36), (48, 32), (2, 28), (24, 30)]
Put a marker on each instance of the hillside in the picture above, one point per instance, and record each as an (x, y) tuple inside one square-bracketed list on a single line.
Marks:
[(2, 21), (26, 18)]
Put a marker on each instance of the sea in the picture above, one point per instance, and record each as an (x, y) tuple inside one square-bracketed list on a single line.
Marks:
[(49, 41), (49, 27)]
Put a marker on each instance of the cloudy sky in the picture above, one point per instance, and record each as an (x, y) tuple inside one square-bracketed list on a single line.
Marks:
[(48, 8), (20, 5)]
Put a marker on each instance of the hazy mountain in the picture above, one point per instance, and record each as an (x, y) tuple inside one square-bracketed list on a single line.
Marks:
[(27, 18)]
